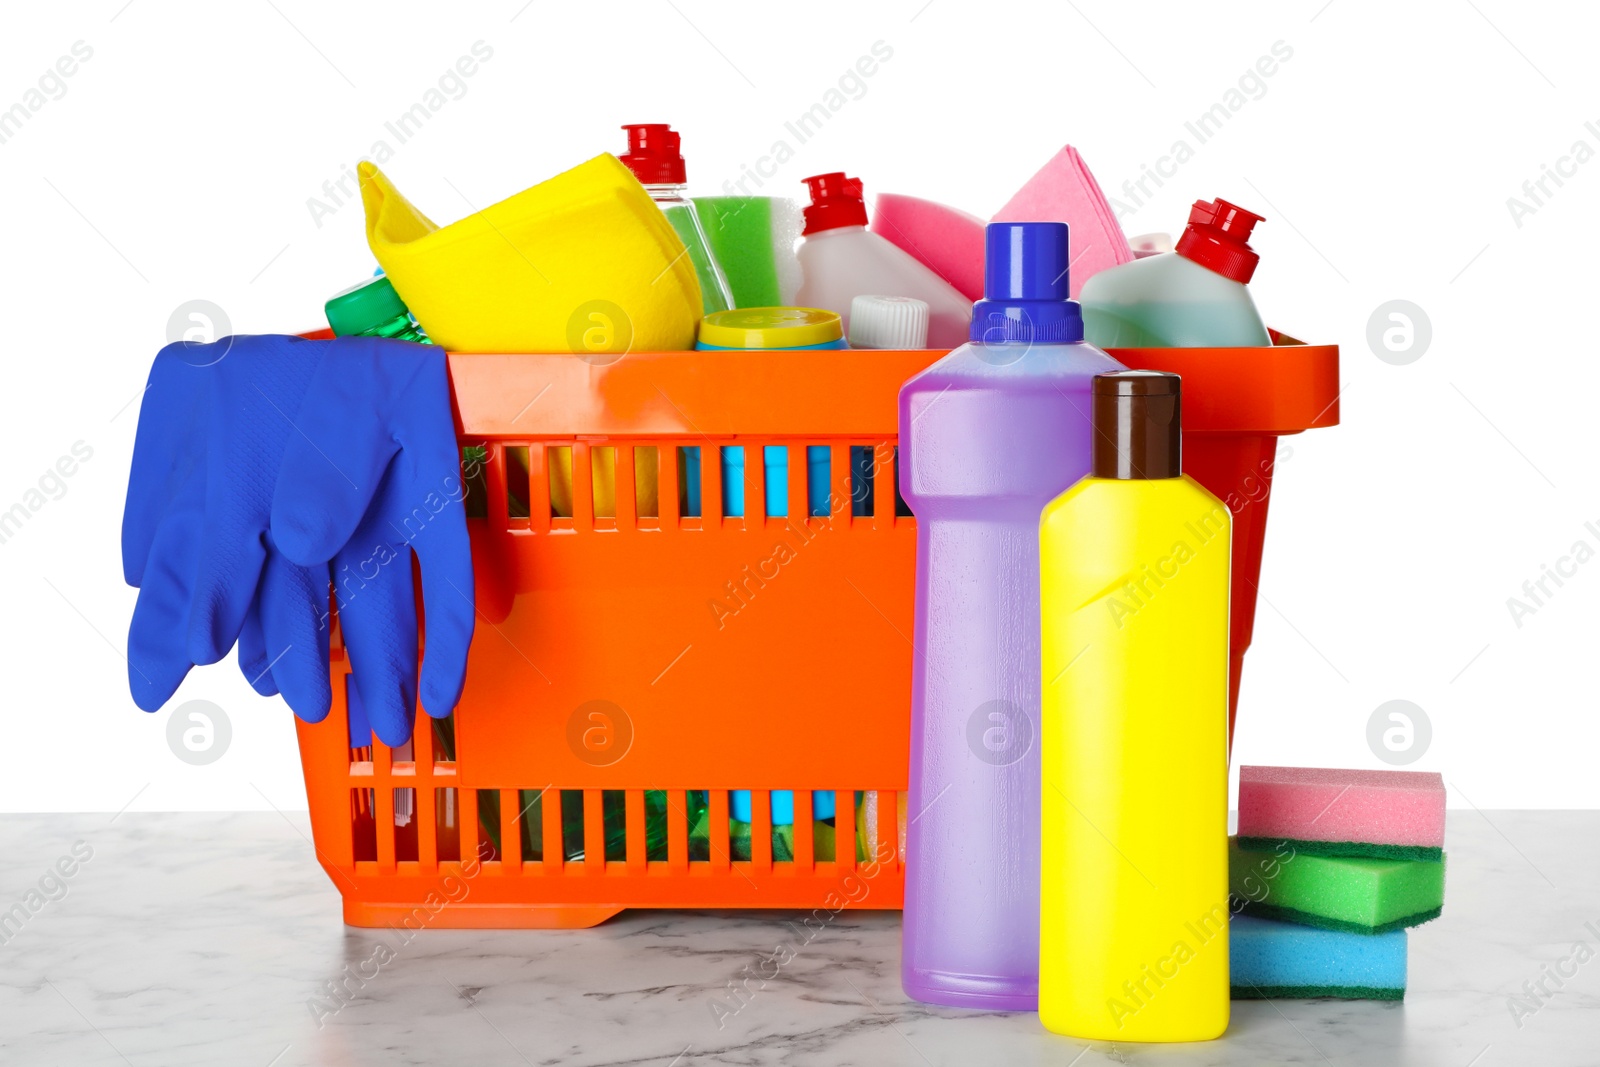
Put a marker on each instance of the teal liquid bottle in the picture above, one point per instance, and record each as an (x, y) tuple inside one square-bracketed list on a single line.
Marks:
[(1195, 296)]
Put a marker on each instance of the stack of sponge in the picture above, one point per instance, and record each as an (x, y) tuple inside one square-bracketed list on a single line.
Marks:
[(1329, 870)]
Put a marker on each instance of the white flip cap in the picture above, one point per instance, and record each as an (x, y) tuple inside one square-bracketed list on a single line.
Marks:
[(1150, 244), (888, 322)]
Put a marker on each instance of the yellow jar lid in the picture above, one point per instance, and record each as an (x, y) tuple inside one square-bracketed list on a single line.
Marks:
[(776, 327)]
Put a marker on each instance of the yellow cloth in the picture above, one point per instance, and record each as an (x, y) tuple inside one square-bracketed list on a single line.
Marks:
[(530, 273), (584, 262)]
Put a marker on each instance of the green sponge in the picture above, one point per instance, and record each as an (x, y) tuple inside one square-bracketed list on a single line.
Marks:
[(753, 238), (1367, 896), (1343, 848), (1306, 992)]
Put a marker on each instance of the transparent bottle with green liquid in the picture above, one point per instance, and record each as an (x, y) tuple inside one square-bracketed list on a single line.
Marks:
[(654, 157)]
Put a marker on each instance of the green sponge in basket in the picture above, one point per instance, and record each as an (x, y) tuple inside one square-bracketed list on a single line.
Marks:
[(753, 238), (1365, 896)]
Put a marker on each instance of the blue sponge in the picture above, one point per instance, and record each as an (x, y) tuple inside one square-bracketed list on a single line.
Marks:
[(1278, 959)]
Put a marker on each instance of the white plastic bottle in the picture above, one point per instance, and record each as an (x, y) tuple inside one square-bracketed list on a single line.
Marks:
[(841, 260), (1192, 297)]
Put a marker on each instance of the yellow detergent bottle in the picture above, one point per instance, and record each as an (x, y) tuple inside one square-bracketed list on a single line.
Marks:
[(1134, 605)]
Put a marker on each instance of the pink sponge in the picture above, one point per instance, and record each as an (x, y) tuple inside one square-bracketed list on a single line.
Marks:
[(947, 241), (1065, 191), (1330, 812)]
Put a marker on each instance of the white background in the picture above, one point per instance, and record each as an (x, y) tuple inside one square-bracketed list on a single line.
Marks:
[(179, 162)]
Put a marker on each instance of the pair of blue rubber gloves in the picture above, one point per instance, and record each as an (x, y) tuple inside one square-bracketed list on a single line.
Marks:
[(264, 470)]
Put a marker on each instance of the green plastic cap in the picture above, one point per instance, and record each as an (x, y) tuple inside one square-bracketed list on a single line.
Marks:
[(364, 306)]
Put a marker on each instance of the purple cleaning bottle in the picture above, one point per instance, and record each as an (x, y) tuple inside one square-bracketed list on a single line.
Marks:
[(990, 434)]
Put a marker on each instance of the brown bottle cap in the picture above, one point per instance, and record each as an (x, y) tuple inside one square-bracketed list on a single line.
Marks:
[(1138, 427)]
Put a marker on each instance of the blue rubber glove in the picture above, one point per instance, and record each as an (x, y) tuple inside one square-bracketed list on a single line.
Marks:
[(193, 532), (373, 475), (219, 421)]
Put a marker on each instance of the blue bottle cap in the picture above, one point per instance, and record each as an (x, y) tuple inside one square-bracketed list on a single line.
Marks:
[(1025, 287)]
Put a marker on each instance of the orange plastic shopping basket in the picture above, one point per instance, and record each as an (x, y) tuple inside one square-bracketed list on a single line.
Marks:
[(629, 669)]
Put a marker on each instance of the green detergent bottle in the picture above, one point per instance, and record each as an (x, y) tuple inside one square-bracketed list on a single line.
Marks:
[(373, 309)]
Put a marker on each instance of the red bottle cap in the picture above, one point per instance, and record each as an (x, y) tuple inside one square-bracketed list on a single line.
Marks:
[(1218, 238), (653, 154), (835, 201)]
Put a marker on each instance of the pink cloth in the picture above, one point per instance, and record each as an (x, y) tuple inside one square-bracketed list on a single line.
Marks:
[(1065, 191)]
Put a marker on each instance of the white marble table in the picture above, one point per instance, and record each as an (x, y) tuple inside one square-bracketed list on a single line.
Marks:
[(206, 939)]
